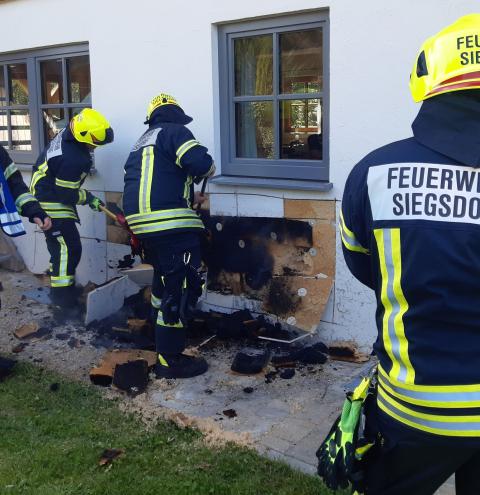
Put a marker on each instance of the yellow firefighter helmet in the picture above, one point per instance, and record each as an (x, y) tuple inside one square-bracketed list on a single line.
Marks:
[(448, 61)]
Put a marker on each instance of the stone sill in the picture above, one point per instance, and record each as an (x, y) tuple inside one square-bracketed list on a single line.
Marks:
[(290, 184)]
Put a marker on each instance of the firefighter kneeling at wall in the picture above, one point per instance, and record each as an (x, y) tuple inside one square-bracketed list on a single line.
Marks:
[(57, 182), (158, 198), (424, 266)]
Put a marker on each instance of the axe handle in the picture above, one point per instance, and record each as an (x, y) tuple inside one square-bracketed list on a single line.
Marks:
[(202, 191), (108, 213)]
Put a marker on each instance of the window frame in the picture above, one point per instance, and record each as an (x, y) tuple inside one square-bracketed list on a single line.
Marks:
[(32, 59), (277, 168)]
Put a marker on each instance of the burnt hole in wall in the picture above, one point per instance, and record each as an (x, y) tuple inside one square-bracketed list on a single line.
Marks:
[(243, 246)]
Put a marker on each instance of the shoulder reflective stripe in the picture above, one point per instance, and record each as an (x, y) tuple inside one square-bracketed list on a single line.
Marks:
[(167, 225), (184, 148), (394, 303), (156, 302), (24, 199), (82, 197), (67, 184), (146, 180), (10, 170), (163, 324), (159, 214), (456, 426), (348, 238), (437, 400)]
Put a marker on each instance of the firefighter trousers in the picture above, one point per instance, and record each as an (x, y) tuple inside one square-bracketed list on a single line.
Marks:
[(412, 463), (167, 254), (65, 248)]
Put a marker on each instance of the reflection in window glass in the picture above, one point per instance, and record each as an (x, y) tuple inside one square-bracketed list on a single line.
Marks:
[(254, 65), (3, 130), (75, 111), (52, 81), (21, 131), (301, 129), (301, 61), (3, 94), (78, 73), (254, 129), (54, 120), (18, 84)]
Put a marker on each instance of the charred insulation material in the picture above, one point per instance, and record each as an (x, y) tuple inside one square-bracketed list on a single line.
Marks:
[(241, 245)]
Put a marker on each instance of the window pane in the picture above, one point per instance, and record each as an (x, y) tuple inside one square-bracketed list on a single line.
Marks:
[(254, 129), (54, 120), (253, 65), (18, 84), (3, 94), (78, 72), (52, 81), (301, 129), (21, 132), (3, 130), (301, 61)]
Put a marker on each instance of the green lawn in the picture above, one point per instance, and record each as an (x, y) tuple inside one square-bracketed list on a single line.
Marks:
[(50, 444)]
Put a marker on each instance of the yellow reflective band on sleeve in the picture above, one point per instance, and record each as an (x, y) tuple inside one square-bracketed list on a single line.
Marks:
[(23, 199), (146, 180), (38, 175), (10, 170), (447, 425), (156, 302), (184, 148), (348, 238), (160, 322), (394, 304), (82, 197), (186, 223), (67, 184)]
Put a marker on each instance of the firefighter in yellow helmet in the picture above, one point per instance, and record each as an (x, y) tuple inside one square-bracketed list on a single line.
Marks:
[(57, 180), (410, 228), (160, 172)]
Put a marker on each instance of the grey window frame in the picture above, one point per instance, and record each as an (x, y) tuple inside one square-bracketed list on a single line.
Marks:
[(310, 170), (32, 59)]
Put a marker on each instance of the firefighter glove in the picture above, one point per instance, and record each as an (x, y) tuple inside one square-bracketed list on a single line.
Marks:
[(94, 202)]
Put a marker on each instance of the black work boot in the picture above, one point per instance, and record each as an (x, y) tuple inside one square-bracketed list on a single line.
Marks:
[(179, 366)]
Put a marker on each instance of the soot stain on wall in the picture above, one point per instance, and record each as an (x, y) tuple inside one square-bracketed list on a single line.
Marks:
[(240, 245)]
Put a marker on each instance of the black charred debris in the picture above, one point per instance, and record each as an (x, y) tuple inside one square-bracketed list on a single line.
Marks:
[(131, 328)]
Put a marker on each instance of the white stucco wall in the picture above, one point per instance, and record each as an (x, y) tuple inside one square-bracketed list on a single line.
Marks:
[(140, 48)]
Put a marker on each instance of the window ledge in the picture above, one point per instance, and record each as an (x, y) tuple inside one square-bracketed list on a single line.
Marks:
[(290, 184)]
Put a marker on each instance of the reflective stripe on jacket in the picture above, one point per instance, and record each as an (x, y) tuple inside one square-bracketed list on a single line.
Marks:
[(410, 229), (159, 175), (58, 175)]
